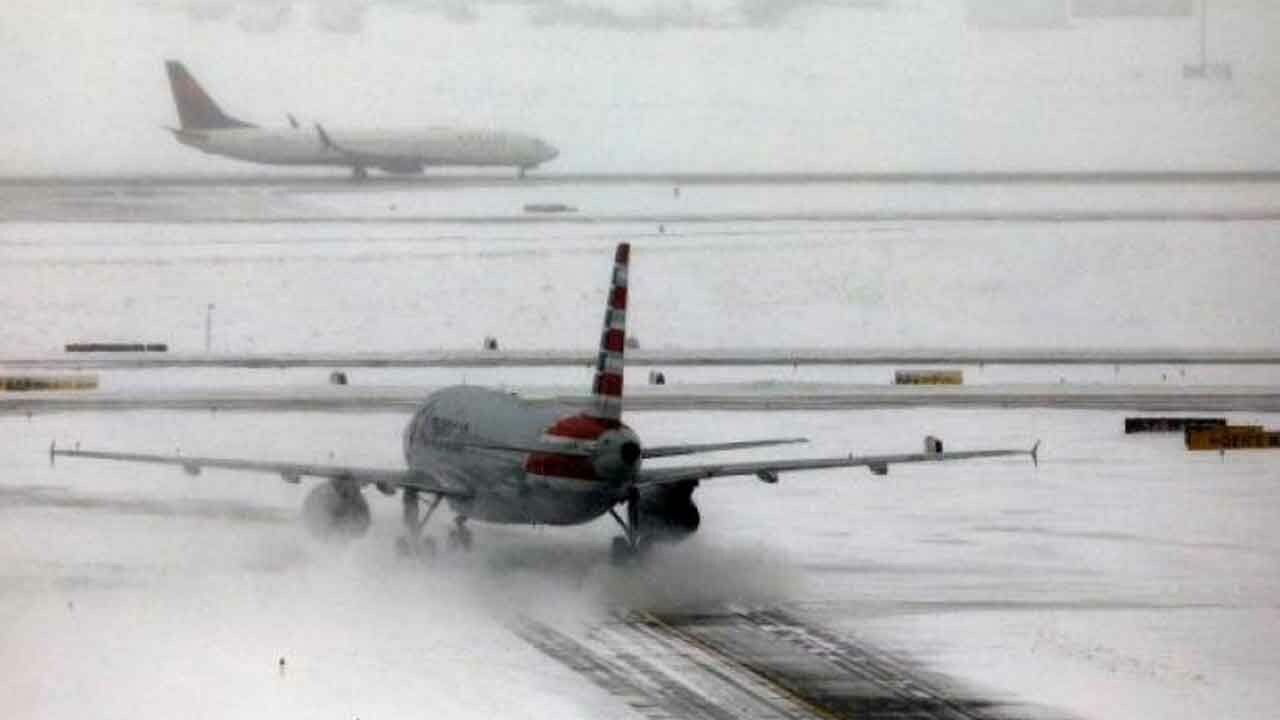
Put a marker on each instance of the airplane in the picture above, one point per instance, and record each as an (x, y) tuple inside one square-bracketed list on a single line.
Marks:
[(204, 126), (498, 458)]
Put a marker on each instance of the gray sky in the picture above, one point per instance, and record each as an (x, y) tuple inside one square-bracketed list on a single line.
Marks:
[(804, 85)]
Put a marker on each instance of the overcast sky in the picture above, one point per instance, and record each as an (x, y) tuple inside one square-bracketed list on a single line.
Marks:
[(657, 85)]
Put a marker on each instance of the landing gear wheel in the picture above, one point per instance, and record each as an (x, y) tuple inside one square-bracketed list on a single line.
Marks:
[(621, 553), (424, 547), (460, 536), (427, 547)]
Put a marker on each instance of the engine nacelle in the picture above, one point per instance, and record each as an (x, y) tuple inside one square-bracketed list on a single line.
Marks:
[(668, 513), (336, 511), (617, 454)]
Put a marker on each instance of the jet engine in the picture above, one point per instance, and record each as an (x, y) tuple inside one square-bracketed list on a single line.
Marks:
[(668, 513), (617, 454), (336, 511)]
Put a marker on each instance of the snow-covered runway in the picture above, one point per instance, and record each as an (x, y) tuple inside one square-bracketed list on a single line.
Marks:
[(1123, 578)]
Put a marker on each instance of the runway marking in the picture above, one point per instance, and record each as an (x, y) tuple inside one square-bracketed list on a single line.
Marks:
[(758, 664)]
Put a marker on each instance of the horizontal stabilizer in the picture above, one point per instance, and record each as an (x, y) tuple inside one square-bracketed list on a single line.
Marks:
[(691, 449), (770, 470)]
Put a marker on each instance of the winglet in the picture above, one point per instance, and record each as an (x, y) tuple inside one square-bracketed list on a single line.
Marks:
[(1035, 453), (325, 140)]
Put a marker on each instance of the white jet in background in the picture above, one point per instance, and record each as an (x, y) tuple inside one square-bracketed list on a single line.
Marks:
[(203, 125)]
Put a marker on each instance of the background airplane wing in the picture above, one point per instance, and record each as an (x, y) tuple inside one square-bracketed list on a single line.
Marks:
[(354, 155), (291, 472), (768, 471)]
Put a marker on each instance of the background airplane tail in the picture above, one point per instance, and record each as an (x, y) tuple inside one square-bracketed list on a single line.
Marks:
[(606, 388), (196, 110)]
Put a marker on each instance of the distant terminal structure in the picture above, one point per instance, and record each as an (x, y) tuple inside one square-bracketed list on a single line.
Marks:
[(26, 383), (1231, 437), (116, 347), (1070, 14), (928, 377), (1134, 425)]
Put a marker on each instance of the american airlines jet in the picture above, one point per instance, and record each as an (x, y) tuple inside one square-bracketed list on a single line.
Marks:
[(204, 126), (495, 457)]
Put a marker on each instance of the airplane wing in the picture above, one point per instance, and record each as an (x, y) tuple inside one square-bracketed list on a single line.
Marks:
[(769, 470), (291, 472), (359, 157), (673, 450)]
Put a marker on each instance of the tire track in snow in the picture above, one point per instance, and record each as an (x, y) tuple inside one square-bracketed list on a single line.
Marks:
[(757, 664)]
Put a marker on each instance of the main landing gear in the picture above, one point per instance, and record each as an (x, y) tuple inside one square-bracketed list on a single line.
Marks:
[(631, 545), (359, 174), (413, 542)]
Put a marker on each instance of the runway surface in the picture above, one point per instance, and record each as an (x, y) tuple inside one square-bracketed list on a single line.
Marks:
[(1122, 578), (707, 357), (771, 397), (554, 178), (672, 200)]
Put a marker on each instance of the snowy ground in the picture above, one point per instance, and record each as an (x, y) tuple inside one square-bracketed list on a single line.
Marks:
[(1125, 578)]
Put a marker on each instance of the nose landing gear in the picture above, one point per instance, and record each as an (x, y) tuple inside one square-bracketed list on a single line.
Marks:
[(460, 535), (413, 542)]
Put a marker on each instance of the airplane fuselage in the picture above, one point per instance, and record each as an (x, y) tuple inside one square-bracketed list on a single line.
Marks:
[(515, 487), (396, 151)]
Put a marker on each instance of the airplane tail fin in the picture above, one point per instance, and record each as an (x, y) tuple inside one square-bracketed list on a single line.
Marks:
[(196, 110), (606, 388)]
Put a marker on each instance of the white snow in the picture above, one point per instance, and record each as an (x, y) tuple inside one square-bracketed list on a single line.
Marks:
[(1124, 578)]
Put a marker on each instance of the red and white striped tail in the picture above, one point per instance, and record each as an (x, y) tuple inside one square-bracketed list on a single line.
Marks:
[(606, 388)]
